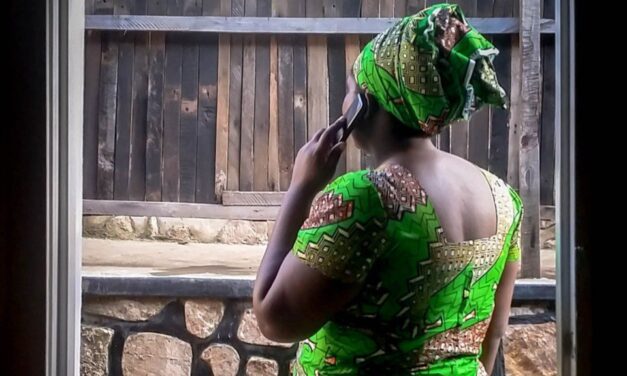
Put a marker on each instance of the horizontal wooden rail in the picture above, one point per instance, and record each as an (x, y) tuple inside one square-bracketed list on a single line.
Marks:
[(238, 205), (283, 25), (179, 209), (236, 198)]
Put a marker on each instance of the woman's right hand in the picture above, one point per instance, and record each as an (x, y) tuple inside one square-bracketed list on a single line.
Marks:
[(317, 160)]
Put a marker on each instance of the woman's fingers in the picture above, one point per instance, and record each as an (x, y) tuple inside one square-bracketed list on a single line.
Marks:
[(329, 137)]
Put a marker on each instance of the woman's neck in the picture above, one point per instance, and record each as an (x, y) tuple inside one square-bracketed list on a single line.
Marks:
[(394, 151)]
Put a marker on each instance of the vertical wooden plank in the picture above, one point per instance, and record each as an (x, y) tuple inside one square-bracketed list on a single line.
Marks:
[(459, 138), (107, 86), (188, 141), (156, 7), (318, 76), (106, 115), (138, 7), (208, 63), (235, 101), (89, 6), (479, 125), (137, 180), (262, 103), (336, 62), (123, 108), (353, 154), (351, 8), (515, 6), (548, 9), (90, 114), (286, 111), (222, 111), (121, 7), (444, 138), (273, 137), (285, 94), (299, 58), (547, 143), (337, 80), (504, 8), (400, 8), (300, 92), (103, 7), (154, 117), (530, 95), (369, 9), (459, 131), (413, 6), (499, 131), (123, 117), (170, 189), (444, 142), (436, 140), (513, 153), (386, 8), (235, 112), (246, 168)]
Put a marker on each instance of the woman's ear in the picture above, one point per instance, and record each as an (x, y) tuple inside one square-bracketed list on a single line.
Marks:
[(372, 105)]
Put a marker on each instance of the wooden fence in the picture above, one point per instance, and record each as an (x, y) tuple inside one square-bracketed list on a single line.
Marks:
[(190, 101)]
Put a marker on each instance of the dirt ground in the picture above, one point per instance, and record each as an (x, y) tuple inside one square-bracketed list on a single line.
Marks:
[(153, 258)]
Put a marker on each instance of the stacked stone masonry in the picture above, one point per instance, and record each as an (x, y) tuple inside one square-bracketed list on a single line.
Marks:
[(181, 230), (194, 337), (201, 230)]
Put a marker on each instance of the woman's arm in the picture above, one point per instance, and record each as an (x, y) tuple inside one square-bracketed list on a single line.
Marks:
[(290, 299), (500, 316)]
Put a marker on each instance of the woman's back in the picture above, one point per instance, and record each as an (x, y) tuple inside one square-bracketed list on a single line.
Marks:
[(427, 297), (402, 270), (458, 190)]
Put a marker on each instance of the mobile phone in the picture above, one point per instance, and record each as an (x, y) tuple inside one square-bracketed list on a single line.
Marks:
[(354, 115)]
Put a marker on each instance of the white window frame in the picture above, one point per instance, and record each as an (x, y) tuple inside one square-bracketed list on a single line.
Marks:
[(64, 75)]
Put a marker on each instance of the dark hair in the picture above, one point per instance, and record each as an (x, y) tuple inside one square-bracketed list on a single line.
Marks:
[(402, 131)]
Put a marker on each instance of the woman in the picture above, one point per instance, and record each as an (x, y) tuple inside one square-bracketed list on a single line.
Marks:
[(407, 269)]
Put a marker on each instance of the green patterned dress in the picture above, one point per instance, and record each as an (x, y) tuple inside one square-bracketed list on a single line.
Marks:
[(426, 303)]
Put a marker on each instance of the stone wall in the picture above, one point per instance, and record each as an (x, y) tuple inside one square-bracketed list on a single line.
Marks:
[(183, 337), (177, 337), (182, 230), (201, 230)]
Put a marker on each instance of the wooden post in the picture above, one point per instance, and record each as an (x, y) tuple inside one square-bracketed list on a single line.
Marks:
[(261, 134), (247, 125), (318, 76), (154, 112), (513, 150), (222, 114), (353, 154), (208, 63), (188, 141), (235, 101), (273, 141), (529, 169), (285, 97)]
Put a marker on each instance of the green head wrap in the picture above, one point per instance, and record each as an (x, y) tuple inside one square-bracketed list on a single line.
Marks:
[(430, 69)]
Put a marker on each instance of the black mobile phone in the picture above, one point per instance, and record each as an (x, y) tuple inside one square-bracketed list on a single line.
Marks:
[(354, 115)]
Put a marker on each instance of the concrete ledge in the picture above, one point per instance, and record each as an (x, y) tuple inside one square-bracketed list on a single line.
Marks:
[(534, 289), (241, 287), (209, 287)]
